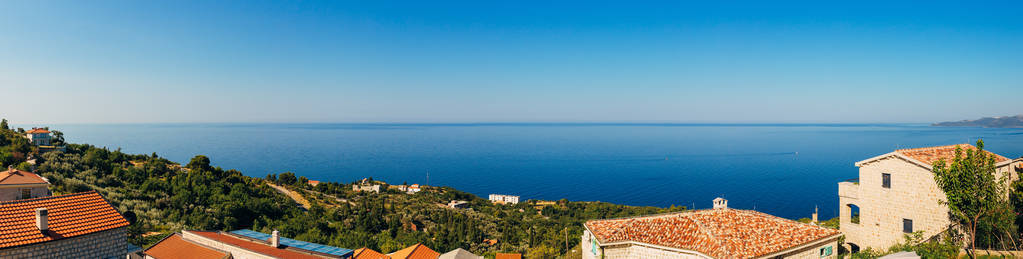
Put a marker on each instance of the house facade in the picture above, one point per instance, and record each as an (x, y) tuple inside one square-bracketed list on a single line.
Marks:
[(896, 194), (16, 185), (80, 225), (504, 199), (39, 137), (720, 232)]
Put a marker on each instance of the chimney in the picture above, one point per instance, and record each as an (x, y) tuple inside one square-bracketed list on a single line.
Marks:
[(41, 215), (720, 203), (275, 239), (814, 217), (10, 168)]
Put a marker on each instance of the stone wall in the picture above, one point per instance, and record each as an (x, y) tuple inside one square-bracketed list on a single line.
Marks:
[(14, 193), (913, 195), (814, 251), (105, 244)]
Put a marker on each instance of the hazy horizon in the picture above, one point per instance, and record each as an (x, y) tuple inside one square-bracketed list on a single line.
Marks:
[(471, 62)]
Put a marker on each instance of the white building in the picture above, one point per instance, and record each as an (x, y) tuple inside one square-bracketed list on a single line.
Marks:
[(458, 204), (39, 137), (504, 199)]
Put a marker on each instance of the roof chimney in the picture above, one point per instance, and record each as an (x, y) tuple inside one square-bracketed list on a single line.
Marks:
[(275, 239), (720, 203), (41, 215)]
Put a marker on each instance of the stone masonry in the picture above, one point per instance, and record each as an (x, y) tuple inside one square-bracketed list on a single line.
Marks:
[(106, 244), (913, 195)]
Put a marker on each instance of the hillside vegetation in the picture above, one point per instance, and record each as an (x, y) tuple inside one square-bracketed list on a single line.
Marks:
[(160, 197)]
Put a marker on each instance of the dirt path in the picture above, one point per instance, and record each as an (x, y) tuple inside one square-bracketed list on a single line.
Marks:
[(293, 195)]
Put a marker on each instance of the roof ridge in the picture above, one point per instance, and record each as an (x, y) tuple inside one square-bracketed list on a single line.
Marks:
[(703, 229)]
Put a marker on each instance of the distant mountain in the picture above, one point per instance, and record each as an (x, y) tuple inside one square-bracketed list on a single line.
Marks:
[(987, 122)]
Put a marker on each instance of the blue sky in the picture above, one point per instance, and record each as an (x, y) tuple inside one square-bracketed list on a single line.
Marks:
[(513, 61)]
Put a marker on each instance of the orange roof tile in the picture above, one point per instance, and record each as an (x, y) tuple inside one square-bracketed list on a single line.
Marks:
[(259, 246), (68, 216), (37, 131), (417, 251), (366, 253), (174, 246), (314, 182), (14, 176), (929, 155), (508, 256), (720, 233)]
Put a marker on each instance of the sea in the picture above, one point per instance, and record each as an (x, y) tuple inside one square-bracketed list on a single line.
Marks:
[(786, 170)]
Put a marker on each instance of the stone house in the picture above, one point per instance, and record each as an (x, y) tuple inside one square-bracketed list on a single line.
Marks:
[(80, 225), (720, 232), (39, 137), (504, 199), (896, 194), (16, 184), (239, 244)]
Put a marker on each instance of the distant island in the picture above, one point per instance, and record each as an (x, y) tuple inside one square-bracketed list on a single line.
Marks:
[(987, 122)]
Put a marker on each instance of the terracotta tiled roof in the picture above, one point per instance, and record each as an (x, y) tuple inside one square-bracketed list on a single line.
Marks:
[(176, 247), (366, 253), (257, 246), (314, 182), (720, 233), (418, 251), (14, 176), (68, 216), (929, 155), (508, 256), (37, 131)]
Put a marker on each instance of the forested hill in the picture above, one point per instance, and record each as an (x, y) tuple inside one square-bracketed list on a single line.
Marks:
[(161, 197), (987, 122)]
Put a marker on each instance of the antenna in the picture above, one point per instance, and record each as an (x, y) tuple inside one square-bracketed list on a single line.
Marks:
[(427, 178)]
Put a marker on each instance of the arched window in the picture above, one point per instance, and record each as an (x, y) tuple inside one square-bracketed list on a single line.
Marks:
[(854, 213)]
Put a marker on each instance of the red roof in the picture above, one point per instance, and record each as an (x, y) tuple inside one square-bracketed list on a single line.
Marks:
[(14, 176), (366, 253), (720, 233), (258, 246), (929, 155), (37, 131), (418, 251), (174, 246), (508, 256), (68, 216)]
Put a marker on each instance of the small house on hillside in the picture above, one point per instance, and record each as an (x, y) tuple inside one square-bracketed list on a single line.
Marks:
[(39, 137), (16, 184), (504, 199), (458, 204), (366, 186)]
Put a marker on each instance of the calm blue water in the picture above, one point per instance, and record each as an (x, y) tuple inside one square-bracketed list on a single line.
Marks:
[(784, 170)]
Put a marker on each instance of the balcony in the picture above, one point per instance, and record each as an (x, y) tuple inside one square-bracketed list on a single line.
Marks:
[(849, 189)]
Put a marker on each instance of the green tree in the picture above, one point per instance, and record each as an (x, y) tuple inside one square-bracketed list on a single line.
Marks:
[(58, 138), (971, 187), (199, 162), (3, 125)]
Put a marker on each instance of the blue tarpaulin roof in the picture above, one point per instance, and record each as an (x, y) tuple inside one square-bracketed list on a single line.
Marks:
[(343, 252)]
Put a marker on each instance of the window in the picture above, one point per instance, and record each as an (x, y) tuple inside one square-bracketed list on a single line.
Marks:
[(886, 181), (907, 225), (826, 251), (26, 193), (854, 214)]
